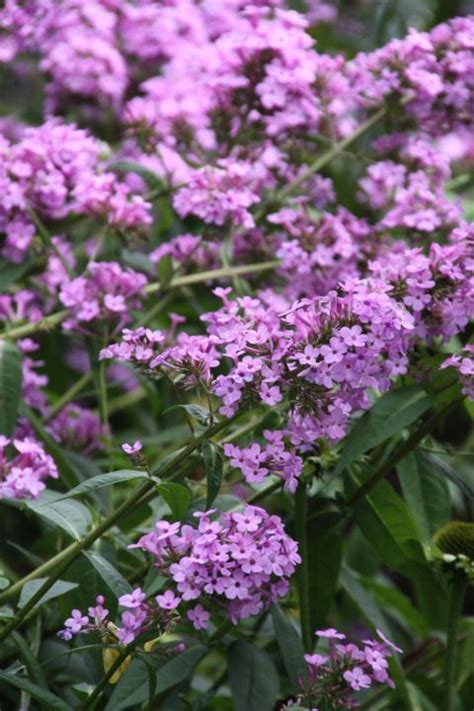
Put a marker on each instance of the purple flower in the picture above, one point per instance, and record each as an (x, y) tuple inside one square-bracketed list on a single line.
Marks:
[(133, 599), (357, 679), (199, 617), (132, 449)]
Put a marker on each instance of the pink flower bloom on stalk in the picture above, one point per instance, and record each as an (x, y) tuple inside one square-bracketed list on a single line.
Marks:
[(168, 600), (357, 679), (348, 668), (132, 449), (199, 617), (133, 599)]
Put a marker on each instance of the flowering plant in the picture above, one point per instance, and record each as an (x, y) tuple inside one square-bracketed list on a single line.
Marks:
[(236, 355)]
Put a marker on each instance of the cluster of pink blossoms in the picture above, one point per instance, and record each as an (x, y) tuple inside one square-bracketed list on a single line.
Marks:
[(333, 678), (23, 472), (464, 364), (236, 564), (55, 170), (106, 292)]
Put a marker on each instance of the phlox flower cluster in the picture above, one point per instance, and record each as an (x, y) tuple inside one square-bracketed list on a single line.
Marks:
[(55, 170), (137, 616), (234, 564), (24, 465), (107, 292), (464, 364), (333, 679)]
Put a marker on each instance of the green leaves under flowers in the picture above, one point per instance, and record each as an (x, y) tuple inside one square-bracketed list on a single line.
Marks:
[(291, 646), (71, 516), (386, 522), (253, 678), (10, 386), (425, 492), (135, 685), (177, 496), (391, 413), (46, 699), (110, 575), (60, 587), (198, 413), (102, 480), (213, 464)]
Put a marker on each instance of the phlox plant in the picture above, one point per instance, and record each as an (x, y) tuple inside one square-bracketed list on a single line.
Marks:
[(236, 355)]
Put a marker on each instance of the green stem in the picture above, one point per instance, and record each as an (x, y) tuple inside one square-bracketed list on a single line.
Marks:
[(61, 562), (124, 653), (330, 154), (199, 277), (458, 589), (302, 575)]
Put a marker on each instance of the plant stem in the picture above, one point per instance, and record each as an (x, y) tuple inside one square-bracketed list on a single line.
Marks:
[(302, 575), (124, 653), (458, 589), (199, 277), (330, 154), (61, 562)]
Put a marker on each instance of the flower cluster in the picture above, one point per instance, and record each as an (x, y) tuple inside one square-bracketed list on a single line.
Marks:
[(217, 195), (237, 563), (333, 677), (107, 292), (256, 462), (464, 364), (23, 472), (54, 171)]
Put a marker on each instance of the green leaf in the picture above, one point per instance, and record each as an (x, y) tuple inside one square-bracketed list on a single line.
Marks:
[(9, 273), (60, 587), (425, 492), (179, 668), (177, 497), (291, 647), (131, 689), (389, 598), (33, 667), (364, 600), (110, 575), (391, 413), (198, 413), (324, 562), (386, 522), (465, 667), (46, 699), (102, 480), (152, 180), (451, 474), (10, 386), (213, 464), (72, 516), (253, 678)]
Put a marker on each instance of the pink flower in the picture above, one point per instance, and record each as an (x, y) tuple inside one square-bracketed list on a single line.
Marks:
[(199, 617), (168, 600), (133, 599), (357, 679), (131, 449)]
